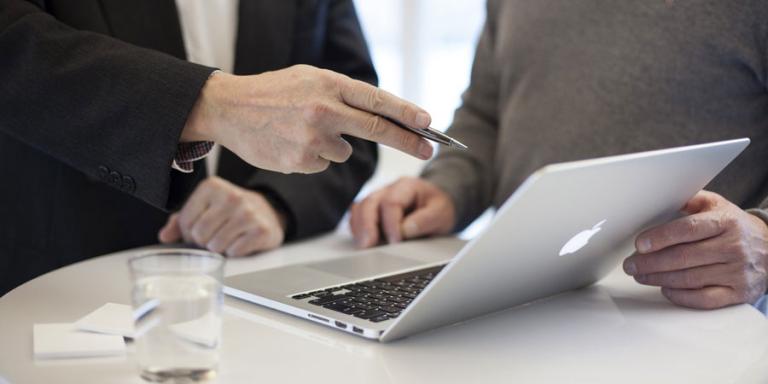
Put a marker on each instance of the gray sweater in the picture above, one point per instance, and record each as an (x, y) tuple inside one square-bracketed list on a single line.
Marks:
[(561, 80)]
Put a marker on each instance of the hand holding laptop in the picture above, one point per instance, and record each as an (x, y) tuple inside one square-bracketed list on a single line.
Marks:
[(714, 257), (406, 209)]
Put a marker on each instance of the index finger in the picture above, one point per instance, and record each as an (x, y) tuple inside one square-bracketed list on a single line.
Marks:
[(396, 200), (194, 207), (364, 96), (357, 123), (364, 221), (687, 229)]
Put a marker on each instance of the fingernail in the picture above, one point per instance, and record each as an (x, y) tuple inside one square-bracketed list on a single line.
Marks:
[(630, 268), (422, 119), (425, 150), (644, 245), (410, 229)]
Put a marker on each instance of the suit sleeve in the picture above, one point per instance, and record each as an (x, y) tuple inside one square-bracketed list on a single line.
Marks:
[(109, 109), (316, 203), (467, 176)]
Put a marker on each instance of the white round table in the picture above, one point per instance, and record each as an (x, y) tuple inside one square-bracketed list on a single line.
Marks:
[(615, 331)]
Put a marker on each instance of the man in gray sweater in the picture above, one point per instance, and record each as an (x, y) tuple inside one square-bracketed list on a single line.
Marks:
[(560, 80)]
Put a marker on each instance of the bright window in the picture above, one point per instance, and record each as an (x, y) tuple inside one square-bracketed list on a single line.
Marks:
[(423, 51)]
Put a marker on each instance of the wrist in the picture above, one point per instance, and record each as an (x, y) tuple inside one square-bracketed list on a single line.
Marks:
[(759, 218), (198, 126)]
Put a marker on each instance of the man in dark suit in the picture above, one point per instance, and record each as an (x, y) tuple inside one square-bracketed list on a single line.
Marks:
[(96, 99)]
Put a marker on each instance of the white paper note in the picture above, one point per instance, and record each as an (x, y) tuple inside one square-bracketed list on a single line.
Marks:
[(111, 318), (61, 340)]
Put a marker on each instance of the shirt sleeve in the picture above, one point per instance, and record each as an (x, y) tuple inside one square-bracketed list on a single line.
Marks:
[(188, 153)]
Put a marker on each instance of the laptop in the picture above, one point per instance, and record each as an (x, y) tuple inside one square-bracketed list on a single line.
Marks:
[(564, 228)]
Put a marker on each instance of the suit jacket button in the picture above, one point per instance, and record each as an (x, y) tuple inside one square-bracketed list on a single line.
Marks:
[(129, 185), (115, 178), (103, 173)]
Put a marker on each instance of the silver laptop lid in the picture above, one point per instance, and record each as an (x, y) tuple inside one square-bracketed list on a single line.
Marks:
[(565, 227)]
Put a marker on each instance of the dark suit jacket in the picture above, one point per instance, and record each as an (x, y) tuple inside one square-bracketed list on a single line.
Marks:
[(89, 123)]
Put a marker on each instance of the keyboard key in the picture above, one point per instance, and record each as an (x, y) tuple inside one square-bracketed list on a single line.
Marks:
[(351, 310), (400, 300), (390, 309), (366, 307), (368, 314), (324, 300), (380, 318), (336, 306)]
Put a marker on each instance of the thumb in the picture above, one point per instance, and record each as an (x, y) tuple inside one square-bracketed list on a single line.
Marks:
[(424, 221), (702, 201), (171, 231)]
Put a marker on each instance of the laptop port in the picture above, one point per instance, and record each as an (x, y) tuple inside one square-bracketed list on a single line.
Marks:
[(318, 318), (341, 325), (357, 330)]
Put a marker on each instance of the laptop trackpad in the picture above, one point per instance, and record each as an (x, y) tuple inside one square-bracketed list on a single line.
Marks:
[(366, 265)]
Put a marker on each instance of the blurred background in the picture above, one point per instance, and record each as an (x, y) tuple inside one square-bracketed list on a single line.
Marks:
[(423, 51)]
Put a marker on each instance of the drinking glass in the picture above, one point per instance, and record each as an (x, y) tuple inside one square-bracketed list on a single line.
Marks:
[(177, 299)]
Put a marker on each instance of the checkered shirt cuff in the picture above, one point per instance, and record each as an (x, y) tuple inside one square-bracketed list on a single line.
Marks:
[(188, 153)]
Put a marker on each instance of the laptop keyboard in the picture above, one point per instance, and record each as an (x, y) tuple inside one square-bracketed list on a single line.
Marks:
[(374, 300)]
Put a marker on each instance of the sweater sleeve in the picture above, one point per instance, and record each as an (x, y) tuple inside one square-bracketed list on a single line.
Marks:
[(467, 175)]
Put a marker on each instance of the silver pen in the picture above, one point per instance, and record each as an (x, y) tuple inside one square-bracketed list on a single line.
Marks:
[(432, 134)]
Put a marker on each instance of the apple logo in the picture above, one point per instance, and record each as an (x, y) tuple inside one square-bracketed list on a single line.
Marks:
[(580, 240)]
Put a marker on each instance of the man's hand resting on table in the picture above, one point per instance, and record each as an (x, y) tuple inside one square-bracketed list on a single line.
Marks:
[(407, 208), (714, 257), (292, 120), (225, 218)]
